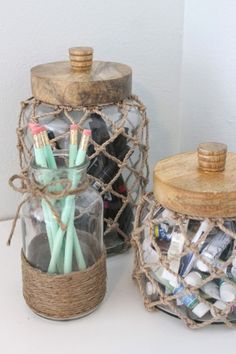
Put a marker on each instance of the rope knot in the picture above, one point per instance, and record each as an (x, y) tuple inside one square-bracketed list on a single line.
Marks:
[(19, 147), (24, 104), (19, 131), (136, 142), (142, 108), (53, 190)]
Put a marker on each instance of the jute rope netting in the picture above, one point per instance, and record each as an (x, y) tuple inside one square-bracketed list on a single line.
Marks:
[(143, 270), (133, 167)]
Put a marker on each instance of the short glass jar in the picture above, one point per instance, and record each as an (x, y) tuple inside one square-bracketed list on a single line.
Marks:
[(62, 228), (185, 237)]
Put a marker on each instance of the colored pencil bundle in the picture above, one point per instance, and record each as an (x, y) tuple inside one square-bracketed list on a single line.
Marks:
[(63, 242)]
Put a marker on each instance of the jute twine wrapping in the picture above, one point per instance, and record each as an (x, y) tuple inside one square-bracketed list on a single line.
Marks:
[(30, 188), (134, 170), (65, 296), (143, 273)]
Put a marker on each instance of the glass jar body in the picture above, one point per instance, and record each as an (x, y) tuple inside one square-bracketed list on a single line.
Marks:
[(88, 227), (62, 234), (118, 156), (186, 266), (63, 258)]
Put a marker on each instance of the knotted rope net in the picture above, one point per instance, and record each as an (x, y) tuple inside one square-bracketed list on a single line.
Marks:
[(153, 268), (118, 152)]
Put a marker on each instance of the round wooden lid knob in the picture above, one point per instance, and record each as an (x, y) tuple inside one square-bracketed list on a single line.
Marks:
[(81, 58), (212, 157)]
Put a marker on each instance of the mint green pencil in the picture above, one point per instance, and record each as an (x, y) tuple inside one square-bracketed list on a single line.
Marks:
[(69, 202), (71, 235), (45, 158), (52, 165), (71, 230), (41, 161)]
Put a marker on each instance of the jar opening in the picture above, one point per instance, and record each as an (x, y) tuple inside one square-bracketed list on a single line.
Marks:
[(62, 162)]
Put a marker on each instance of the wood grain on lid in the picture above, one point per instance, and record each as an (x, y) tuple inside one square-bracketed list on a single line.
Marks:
[(180, 185), (81, 81)]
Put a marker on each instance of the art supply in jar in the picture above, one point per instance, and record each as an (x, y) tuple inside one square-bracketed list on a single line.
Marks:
[(187, 261), (176, 247), (191, 302), (60, 251), (69, 205), (193, 278), (214, 249), (150, 289), (209, 289), (105, 169), (227, 291), (212, 291), (163, 232), (230, 271), (220, 305), (150, 256)]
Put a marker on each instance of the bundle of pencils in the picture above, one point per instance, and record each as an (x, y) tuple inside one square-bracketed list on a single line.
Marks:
[(63, 242)]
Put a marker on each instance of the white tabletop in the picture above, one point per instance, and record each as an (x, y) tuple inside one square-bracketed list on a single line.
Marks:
[(120, 325)]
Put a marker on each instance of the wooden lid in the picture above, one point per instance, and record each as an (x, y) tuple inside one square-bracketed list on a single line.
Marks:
[(198, 184), (81, 81)]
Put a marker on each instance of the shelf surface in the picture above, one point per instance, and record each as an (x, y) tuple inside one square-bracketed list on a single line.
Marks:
[(120, 325)]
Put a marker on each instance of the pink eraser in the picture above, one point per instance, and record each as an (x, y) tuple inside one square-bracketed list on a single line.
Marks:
[(36, 128), (74, 126), (87, 132), (31, 125)]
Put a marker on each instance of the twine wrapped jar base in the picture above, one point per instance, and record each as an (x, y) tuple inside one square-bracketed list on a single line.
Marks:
[(65, 296)]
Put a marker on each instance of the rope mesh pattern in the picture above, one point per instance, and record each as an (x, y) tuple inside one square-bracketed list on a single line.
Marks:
[(125, 120), (144, 230)]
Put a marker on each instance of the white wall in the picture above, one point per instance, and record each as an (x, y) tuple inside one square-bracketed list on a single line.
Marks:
[(188, 82), (209, 73), (144, 34)]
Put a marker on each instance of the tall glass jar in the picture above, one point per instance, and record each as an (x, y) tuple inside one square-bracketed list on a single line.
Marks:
[(63, 238), (96, 95)]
